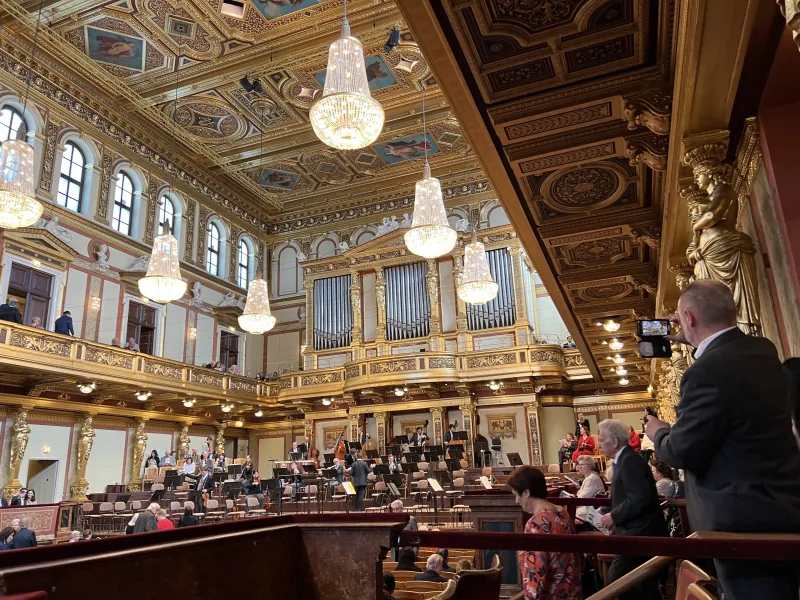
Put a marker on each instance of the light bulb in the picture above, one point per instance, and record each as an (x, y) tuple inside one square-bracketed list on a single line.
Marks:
[(225, 408), (615, 344), (621, 371), (259, 413), (326, 401), (87, 388), (141, 395), (619, 359), (494, 386), (624, 381), (610, 325)]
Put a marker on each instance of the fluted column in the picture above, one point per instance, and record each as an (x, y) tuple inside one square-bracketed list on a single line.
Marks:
[(432, 277), (139, 448), (310, 357), (80, 487), (380, 297), (183, 440), (355, 301), (438, 427), (353, 419), (521, 307), (308, 431), (532, 413), (381, 420), (20, 432), (467, 408), (219, 443), (463, 336)]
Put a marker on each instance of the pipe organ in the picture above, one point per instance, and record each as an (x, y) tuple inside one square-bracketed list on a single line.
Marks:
[(333, 313), (408, 308), (499, 312)]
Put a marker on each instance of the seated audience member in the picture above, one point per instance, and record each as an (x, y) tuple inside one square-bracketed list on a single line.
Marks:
[(187, 520), (24, 537), (30, 497), (63, 324), (168, 460), (88, 535), (164, 522), (585, 444), (545, 575), (635, 508), (591, 486), (405, 562), (147, 519), (36, 323), (131, 345), (74, 536), (388, 586), (566, 450), (153, 460), (10, 311), (570, 343), (195, 456), (433, 568), (222, 463), (131, 524), (397, 507), (662, 473), (234, 370), (634, 441), (188, 468), (463, 565), (444, 554), (19, 499), (6, 538), (115, 342)]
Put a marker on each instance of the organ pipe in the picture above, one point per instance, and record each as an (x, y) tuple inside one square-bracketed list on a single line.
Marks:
[(333, 313), (501, 311), (408, 310)]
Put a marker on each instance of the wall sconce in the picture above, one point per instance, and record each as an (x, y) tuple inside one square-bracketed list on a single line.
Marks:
[(238, 423), (192, 335), (141, 395), (624, 381), (303, 349), (94, 304), (621, 370), (87, 388), (36, 262), (259, 413), (189, 402), (400, 391), (650, 389), (495, 385), (226, 408), (45, 449), (327, 401)]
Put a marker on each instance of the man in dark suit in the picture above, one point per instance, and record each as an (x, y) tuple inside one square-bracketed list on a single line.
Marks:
[(3, 501), (24, 537), (10, 311), (433, 569), (147, 519), (204, 484), (358, 475), (64, 324), (635, 506), (733, 439), (19, 499), (448, 437), (581, 422)]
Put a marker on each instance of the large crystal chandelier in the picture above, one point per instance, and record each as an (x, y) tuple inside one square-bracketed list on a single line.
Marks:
[(163, 281), (476, 285), (257, 317), (18, 204), (347, 116), (430, 235)]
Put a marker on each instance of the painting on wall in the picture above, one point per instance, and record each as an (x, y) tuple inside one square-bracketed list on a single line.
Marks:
[(278, 179), (115, 48), (275, 9), (407, 148), (502, 425), (409, 427), (330, 435), (378, 74)]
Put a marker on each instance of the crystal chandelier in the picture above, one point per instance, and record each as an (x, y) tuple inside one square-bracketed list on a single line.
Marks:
[(347, 117), (163, 281), (476, 285), (18, 204), (430, 235), (257, 317)]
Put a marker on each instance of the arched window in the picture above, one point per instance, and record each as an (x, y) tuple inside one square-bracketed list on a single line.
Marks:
[(212, 252), (70, 185), (243, 271), (123, 205), (12, 125), (167, 213)]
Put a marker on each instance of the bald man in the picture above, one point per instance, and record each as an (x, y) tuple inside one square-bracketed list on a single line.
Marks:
[(733, 438)]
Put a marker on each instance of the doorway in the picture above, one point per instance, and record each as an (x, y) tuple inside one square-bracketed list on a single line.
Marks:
[(42, 477)]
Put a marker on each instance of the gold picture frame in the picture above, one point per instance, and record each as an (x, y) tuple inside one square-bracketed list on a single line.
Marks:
[(330, 435), (502, 425), (410, 427)]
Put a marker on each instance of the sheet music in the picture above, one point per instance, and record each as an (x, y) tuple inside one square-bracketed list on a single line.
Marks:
[(486, 483), (435, 485), (596, 518)]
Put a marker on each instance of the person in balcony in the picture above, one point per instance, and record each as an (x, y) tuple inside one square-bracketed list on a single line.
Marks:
[(36, 323), (545, 575), (153, 460), (591, 486), (131, 345), (10, 311), (585, 444), (64, 324)]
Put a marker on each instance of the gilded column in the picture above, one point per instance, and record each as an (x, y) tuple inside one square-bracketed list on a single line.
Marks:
[(310, 356), (522, 324), (438, 419), (48, 157), (188, 221), (20, 432), (432, 278), (353, 427), (468, 414), (151, 205), (219, 443), (462, 326), (355, 301), (380, 297), (532, 412), (308, 432), (381, 421), (80, 487), (183, 441), (139, 449)]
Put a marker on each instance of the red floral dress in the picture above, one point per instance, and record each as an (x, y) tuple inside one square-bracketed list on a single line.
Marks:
[(587, 442), (551, 575)]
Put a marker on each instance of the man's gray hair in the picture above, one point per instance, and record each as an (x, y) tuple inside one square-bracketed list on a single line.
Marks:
[(711, 300), (617, 430), (13, 303), (154, 506), (24, 522), (397, 504), (434, 561)]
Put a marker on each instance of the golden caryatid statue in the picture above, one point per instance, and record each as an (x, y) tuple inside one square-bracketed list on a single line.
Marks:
[(139, 449), (718, 250), (80, 486), (184, 442), (20, 432), (669, 383), (219, 444)]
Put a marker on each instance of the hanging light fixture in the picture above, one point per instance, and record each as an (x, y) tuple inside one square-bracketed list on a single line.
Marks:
[(624, 381), (621, 370), (346, 117), (18, 204), (142, 395), (430, 235), (615, 344), (257, 317), (610, 325)]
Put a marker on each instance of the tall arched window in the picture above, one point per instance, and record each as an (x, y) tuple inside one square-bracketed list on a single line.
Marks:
[(167, 213), (12, 125), (212, 252), (123, 205), (243, 271), (70, 185)]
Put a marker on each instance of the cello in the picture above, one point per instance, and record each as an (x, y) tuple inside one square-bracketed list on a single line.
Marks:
[(341, 446)]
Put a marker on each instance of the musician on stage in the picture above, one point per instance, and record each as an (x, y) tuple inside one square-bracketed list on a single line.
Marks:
[(294, 469), (350, 458), (205, 485), (295, 450), (362, 437), (418, 439), (247, 469), (449, 436), (342, 448), (252, 488), (394, 467)]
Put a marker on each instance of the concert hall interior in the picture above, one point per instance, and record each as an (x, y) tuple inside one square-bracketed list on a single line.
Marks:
[(319, 276)]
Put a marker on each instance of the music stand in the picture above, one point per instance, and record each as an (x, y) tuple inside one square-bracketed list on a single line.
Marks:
[(514, 459), (456, 452), (394, 450), (220, 477), (401, 439), (393, 490), (453, 465), (234, 471), (295, 456), (231, 489), (460, 435), (437, 488), (157, 496), (302, 448), (412, 457), (196, 496), (329, 458), (373, 454), (409, 467), (381, 469)]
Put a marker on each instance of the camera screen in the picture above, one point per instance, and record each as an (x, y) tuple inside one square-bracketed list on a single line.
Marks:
[(653, 328)]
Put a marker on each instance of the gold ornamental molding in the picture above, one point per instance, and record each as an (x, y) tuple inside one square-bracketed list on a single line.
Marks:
[(556, 400)]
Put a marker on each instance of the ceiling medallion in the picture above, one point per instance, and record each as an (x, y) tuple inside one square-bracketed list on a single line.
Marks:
[(590, 187), (347, 117)]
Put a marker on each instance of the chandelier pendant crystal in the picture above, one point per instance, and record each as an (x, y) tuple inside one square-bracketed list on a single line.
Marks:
[(163, 281), (476, 285), (18, 204), (257, 317), (346, 117), (430, 235)]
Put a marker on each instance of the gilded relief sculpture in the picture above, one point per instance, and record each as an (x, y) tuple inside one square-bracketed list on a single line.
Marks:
[(139, 449), (718, 250), (669, 383), (80, 487), (219, 442), (20, 432), (184, 442)]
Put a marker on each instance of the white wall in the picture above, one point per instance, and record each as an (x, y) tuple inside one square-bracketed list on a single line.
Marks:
[(175, 332), (75, 298), (106, 460), (196, 441), (253, 355), (269, 448), (448, 295), (550, 324), (283, 351), (370, 308), (109, 312), (515, 444), (58, 438), (158, 441), (204, 345)]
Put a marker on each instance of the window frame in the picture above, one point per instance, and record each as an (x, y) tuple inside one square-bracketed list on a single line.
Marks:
[(11, 131), (69, 179), (243, 266), (120, 206), (213, 250), (161, 214)]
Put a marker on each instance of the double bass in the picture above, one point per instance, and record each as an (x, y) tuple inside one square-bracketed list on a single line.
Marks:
[(368, 445), (341, 446)]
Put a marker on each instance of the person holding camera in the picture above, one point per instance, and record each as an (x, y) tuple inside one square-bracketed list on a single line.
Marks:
[(581, 422)]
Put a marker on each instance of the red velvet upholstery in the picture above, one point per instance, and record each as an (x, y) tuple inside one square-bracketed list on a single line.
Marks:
[(30, 596)]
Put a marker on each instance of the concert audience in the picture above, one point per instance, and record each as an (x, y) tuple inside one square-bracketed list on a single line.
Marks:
[(6, 538), (567, 449), (463, 565), (591, 485), (164, 521), (635, 506), (545, 575), (585, 444), (405, 561), (433, 569), (733, 438), (444, 554), (188, 467), (662, 473), (581, 422), (131, 345), (74, 536), (24, 537), (19, 499), (153, 460), (10, 311), (634, 441), (63, 324), (36, 323), (388, 586), (30, 497), (187, 520), (147, 519)]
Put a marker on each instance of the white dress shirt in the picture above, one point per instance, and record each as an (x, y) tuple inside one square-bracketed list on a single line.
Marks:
[(703, 346)]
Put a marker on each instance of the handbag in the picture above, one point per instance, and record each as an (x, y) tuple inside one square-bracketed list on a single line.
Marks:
[(591, 582)]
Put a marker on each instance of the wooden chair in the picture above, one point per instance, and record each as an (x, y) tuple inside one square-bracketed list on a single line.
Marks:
[(690, 573), (389, 566), (340, 497), (212, 511), (252, 508), (404, 575), (307, 495), (424, 586), (475, 585), (404, 595)]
